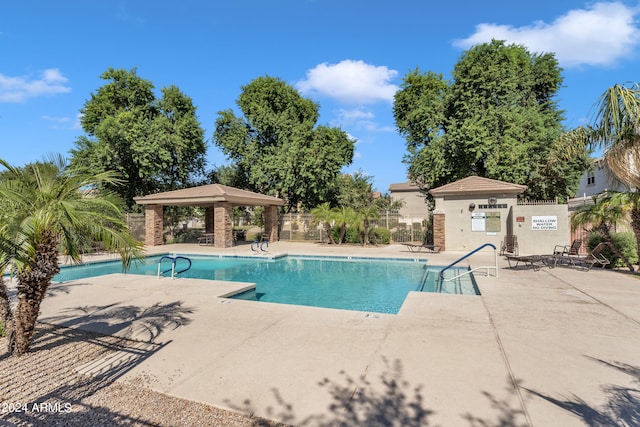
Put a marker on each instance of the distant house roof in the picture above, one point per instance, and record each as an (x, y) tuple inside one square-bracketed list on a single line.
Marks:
[(403, 186), (207, 195), (473, 185)]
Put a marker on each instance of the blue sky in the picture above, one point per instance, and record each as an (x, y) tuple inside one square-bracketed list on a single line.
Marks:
[(347, 55)]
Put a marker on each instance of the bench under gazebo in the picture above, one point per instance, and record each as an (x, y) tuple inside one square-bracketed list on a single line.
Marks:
[(218, 201)]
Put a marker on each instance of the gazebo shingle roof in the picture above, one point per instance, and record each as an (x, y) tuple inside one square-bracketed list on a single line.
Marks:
[(208, 195)]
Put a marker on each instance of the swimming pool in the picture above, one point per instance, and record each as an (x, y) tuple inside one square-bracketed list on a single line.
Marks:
[(362, 284)]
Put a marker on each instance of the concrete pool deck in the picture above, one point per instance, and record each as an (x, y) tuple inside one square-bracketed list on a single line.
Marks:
[(555, 347)]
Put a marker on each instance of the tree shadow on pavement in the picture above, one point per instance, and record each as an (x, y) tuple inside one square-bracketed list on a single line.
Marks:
[(47, 387), (127, 321), (622, 407), (509, 411), (389, 401)]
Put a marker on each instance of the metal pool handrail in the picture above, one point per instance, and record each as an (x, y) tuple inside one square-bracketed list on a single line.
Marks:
[(425, 277), (173, 259), (258, 246), (441, 275)]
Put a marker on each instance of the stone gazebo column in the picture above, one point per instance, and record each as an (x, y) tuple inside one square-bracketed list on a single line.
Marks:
[(439, 230), (153, 225), (222, 225), (271, 222)]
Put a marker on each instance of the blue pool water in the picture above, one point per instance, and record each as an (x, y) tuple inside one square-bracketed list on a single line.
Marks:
[(352, 284)]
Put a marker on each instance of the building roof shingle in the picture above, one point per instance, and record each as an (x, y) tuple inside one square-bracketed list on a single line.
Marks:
[(473, 185), (404, 186)]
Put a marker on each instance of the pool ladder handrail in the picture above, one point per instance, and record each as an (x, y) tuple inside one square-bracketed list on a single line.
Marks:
[(495, 267), (425, 277), (173, 259), (257, 246)]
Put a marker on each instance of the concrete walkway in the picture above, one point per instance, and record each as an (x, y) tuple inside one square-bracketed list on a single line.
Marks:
[(555, 347)]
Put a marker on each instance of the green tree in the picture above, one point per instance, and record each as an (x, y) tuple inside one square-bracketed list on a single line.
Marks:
[(497, 118), (602, 215), (355, 190), (356, 193), (388, 203), (46, 212), (227, 175), (152, 144), (278, 146)]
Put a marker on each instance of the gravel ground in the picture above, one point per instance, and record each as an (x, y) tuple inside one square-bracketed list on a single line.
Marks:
[(43, 388)]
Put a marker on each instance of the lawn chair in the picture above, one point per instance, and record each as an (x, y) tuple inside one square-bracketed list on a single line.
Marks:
[(509, 245), (592, 258), (427, 247), (573, 249), (534, 261)]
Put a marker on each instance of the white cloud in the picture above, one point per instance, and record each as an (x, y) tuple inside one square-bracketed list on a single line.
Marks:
[(68, 123), (360, 119), (19, 89), (60, 120), (354, 115), (599, 35), (350, 81)]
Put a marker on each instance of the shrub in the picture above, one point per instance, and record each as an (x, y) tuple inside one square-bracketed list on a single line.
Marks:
[(335, 233), (625, 242), (352, 235), (240, 234), (383, 235), (190, 235)]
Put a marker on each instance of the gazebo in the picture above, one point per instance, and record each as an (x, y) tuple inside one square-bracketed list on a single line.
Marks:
[(218, 200)]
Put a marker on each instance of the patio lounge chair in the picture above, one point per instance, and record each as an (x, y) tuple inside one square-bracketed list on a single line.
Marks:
[(423, 246), (594, 257), (509, 245), (573, 249), (533, 261)]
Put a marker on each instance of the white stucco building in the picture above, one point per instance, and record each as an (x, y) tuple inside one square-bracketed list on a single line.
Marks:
[(415, 207)]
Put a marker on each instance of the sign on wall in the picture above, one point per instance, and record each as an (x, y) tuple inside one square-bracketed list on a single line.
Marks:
[(478, 221), (549, 222), (493, 222), (489, 222)]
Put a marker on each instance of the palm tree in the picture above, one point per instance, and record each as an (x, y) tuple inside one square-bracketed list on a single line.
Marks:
[(5, 309), (616, 129), (343, 217), (50, 210), (603, 214), (366, 214), (324, 215)]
